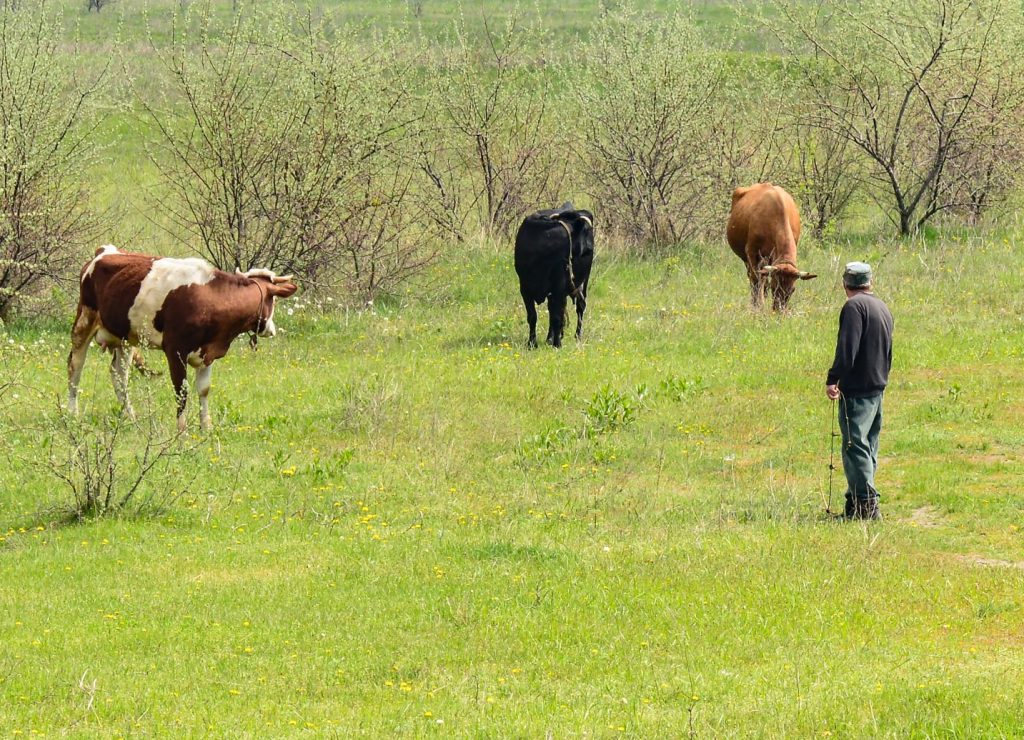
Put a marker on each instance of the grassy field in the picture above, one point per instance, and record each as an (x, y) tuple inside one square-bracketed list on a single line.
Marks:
[(431, 23), (406, 523)]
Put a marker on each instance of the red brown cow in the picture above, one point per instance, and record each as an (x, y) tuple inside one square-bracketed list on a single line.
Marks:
[(763, 231), (185, 307)]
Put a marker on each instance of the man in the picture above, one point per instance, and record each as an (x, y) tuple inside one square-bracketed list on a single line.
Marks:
[(858, 378)]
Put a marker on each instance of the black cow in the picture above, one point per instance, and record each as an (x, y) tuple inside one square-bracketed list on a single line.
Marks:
[(554, 252)]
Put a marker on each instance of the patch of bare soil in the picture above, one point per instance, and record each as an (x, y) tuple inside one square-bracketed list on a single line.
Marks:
[(990, 562), (926, 516)]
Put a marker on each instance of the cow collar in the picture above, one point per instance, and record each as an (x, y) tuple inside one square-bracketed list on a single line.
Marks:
[(254, 336), (574, 290)]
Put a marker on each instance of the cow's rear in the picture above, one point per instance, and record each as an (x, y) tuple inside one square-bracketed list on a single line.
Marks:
[(554, 252), (764, 230)]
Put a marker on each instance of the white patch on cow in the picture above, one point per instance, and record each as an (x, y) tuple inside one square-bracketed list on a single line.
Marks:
[(269, 328), (195, 359), (165, 275), (107, 249)]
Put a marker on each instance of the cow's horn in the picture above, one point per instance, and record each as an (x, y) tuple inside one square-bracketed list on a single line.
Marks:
[(769, 268), (283, 279)]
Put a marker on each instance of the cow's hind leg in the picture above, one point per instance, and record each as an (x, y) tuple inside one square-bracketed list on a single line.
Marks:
[(82, 332), (120, 366), (203, 382), (581, 307), (531, 320), (177, 368), (556, 319), (140, 364)]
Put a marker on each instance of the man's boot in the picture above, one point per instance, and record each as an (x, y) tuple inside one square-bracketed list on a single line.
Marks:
[(866, 508)]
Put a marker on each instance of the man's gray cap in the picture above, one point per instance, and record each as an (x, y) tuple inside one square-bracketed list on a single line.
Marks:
[(857, 274)]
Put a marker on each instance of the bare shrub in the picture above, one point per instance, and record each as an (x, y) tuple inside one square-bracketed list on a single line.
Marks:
[(985, 163), (827, 171), (498, 121), (650, 110), (111, 466), (370, 222), (442, 195), (102, 463), (46, 126), (898, 79), (284, 152), (751, 134), (383, 243)]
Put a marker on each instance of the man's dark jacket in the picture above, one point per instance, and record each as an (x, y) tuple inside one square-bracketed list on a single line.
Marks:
[(864, 347)]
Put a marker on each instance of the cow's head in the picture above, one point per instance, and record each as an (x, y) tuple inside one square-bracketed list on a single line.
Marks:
[(581, 226), (271, 287), (783, 276)]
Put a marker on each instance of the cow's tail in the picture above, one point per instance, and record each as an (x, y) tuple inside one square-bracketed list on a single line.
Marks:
[(139, 363)]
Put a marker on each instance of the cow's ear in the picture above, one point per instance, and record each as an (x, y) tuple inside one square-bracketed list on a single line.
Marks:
[(807, 276), (282, 290)]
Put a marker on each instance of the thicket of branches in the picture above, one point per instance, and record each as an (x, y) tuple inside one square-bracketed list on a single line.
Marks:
[(651, 109), (285, 142), (925, 90), (499, 117), (282, 145), (47, 119)]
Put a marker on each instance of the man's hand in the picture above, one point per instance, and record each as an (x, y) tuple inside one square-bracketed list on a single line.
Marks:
[(832, 391)]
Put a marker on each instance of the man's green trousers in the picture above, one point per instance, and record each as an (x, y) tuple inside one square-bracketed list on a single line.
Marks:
[(860, 420)]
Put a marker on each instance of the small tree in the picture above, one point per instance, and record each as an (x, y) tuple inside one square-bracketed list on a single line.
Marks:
[(986, 163), (288, 136), (46, 124), (898, 79), (498, 117), (827, 173), (651, 115)]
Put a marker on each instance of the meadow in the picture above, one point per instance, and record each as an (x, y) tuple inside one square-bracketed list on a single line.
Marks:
[(404, 522)]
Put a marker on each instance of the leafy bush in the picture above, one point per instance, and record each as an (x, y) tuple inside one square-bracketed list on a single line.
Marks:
[(288, 151), (47, 121), (650, 100)]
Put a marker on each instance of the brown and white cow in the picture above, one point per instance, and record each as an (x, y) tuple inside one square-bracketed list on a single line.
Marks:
[(186, 307), (763, 231)]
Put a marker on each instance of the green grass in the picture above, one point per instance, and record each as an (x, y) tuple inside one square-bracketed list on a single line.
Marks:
[(401, 524), (405, 523), (567, 19)]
